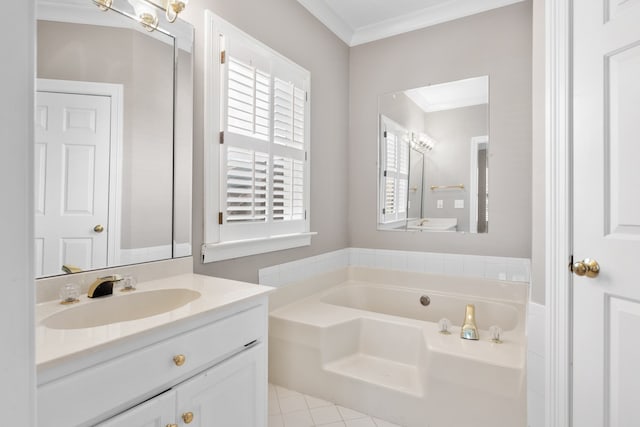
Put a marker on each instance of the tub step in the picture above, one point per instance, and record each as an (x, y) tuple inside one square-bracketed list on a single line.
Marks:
[(382, 372)]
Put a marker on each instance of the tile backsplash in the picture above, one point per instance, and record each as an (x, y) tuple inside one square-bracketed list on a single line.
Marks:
[(500, 268)]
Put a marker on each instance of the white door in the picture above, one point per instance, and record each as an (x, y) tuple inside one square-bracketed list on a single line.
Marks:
[(72, 135), (606, 205), (157, 412), (231, 394)]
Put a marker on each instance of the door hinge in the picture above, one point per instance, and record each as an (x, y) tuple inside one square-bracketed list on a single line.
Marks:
[(306, 96), (305, 156), (305, 214), (384, 134), (220, 218), (222, 137), (223, 56), (383, 211), (384, 173)]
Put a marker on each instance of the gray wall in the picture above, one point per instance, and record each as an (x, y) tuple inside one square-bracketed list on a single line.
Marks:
[(401, 109), (69, 52), (449, 161), (307, 42), (495, 43)]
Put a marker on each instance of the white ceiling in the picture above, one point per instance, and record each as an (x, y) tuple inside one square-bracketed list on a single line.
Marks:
[(447, 96), (361, 21)]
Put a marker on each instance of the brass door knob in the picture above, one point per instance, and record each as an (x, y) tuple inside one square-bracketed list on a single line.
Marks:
[(587, 267), (179, 359), (98, 228), (187, 417)]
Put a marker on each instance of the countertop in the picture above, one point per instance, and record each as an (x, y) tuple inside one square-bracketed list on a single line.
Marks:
[(58, 347)]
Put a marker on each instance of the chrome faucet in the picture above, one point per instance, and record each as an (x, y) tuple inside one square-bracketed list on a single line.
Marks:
[(469, 330), (103, 286)]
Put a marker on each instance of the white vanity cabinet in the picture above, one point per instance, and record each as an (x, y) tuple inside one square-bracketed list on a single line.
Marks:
[(211, 364), (157, 412), (231, 394)]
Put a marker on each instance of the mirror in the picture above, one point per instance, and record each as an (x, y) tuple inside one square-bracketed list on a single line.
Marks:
[(433, 161), (113, 153)]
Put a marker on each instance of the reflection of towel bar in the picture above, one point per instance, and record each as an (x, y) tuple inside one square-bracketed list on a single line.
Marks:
[(447, 187)]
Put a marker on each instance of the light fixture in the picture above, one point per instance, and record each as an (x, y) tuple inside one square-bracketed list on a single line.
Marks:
[(423, 142), (145, 13), (176, 6), (172, 8), (145, 10)]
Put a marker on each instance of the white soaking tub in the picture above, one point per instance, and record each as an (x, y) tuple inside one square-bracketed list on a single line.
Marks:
[(363, 339)]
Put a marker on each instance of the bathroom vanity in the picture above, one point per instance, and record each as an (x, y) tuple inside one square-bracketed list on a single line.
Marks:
[(200, 364)]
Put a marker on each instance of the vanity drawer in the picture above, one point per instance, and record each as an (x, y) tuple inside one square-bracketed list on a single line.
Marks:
[(90, 395)]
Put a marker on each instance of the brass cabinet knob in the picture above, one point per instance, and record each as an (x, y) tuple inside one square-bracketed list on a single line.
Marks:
[(179, 359), (172, 425), (587, 267), (187, 417), (98, 228)]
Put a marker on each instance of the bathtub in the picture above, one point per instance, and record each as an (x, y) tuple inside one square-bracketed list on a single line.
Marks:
[(362, 338), (433, 224)]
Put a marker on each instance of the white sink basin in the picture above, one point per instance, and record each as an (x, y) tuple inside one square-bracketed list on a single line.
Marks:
[(120, 308)]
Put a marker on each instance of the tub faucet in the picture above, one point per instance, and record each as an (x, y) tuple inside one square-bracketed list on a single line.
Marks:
[(103, 286), (469, 330)]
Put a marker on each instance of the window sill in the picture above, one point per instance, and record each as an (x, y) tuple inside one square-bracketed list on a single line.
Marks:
[(212, 252)]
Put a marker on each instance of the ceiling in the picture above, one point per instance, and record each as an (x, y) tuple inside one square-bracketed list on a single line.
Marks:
[(361, 21), (447, 96)]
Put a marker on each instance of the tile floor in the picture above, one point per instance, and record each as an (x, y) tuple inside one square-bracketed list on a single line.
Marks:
[(288, 408)]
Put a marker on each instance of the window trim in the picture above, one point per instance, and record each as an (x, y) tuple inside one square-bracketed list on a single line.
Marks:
[(213, 249)]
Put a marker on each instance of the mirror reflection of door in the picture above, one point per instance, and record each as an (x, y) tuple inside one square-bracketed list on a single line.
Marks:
[(72, 154), (416, 172), (479, 185)]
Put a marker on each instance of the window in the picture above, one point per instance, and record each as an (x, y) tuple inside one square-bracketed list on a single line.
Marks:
[(394, 179), (257, 147)]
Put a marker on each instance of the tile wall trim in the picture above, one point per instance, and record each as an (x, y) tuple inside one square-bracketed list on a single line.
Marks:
[(499, 268)]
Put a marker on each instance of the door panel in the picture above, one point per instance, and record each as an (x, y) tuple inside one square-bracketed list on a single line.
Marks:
[(623, 355), (606, 212), (622, 112)]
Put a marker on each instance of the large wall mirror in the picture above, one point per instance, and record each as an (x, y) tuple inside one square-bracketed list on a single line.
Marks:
[(433, 168), (113, 136)]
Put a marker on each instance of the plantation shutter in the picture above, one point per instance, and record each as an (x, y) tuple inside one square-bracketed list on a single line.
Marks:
[(395, 176), (265, 143)]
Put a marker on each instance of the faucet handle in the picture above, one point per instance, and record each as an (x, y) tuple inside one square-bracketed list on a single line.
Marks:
[(69, 293), (496, 334), (128, 283), (444, 324)]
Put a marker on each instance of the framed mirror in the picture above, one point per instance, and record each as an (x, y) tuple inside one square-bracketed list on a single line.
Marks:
[(113, 136), (433, 158)]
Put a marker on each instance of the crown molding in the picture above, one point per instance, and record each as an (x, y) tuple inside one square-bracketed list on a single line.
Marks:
[(448, 11), (329, 18)]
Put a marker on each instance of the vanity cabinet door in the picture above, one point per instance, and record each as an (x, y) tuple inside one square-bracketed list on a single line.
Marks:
[(157, 412), (231, 394)]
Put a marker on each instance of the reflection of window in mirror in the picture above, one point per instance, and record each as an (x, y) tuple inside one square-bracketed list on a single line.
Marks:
[(394, 176)]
